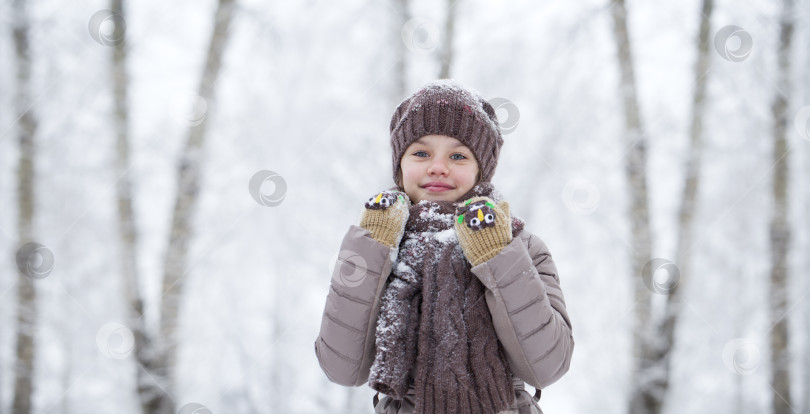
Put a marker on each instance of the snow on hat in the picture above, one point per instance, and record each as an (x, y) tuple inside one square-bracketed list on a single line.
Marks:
[(446, 107)]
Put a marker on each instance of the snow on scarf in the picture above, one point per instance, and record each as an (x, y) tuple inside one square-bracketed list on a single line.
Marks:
[(434, 315)]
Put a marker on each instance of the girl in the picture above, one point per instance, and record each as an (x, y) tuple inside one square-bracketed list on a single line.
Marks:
[(440, 299)]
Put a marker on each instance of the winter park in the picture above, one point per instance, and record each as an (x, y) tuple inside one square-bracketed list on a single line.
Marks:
[(405, 206)]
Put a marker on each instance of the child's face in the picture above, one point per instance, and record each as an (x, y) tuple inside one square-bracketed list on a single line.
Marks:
[(442, 159)]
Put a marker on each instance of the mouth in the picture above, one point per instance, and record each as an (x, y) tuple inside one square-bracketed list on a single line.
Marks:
[(437, 187)]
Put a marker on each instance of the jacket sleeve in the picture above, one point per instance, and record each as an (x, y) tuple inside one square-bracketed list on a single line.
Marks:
[(345, 344), (528, 310)]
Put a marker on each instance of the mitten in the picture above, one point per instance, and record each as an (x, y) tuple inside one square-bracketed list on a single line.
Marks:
[(483, 228), (385, 216)]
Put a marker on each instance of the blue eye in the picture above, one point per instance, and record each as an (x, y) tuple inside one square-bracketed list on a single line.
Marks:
[(463, 157)]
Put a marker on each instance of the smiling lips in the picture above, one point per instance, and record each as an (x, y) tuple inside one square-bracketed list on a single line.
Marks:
[(437, 186)]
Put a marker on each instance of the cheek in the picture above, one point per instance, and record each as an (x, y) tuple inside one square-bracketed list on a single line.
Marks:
[(469, 176), (408, 169), (407, 176)]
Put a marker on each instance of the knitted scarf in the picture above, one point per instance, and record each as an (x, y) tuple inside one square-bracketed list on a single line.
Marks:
[(434, 314)]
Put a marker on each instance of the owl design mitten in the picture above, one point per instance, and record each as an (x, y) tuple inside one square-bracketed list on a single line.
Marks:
[(385, 216), (483, 228)]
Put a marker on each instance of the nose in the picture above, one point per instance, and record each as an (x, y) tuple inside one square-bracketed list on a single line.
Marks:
[(438, 166)]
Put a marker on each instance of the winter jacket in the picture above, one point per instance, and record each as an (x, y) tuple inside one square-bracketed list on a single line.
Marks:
[(523, 296)]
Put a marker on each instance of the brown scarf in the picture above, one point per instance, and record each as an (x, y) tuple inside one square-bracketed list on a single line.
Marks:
[(434, 314)]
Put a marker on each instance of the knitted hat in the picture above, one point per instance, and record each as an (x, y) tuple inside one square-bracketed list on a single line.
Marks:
[(445, 107)]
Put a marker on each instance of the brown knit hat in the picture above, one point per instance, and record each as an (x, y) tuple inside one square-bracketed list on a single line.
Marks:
[(446, 107)]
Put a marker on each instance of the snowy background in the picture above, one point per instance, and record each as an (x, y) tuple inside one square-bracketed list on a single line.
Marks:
[(307, 90)]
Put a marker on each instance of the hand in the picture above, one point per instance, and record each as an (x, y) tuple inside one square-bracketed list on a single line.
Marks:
[(385, 216), (483, 228)]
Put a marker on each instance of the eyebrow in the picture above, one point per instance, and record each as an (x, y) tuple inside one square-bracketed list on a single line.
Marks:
[(457, 144)]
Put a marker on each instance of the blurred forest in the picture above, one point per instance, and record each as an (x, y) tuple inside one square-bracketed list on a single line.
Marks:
[(176, 179)]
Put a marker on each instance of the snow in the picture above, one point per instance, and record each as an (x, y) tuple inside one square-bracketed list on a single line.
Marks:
[(308, 92), (472, 101)]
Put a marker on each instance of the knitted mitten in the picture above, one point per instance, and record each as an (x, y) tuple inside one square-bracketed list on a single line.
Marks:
[(385, 216), (483, 228)]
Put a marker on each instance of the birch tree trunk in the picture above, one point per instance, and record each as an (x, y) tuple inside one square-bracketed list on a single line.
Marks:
[(779, 228), (25, 350), (689, 199), (188, 183), (151, 394), (806, 217), (279, 365), (806, 303), (449, 34), (644, 381), (401, 17)]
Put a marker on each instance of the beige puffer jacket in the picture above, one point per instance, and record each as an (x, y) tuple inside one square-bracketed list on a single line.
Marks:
[(523, 296)]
